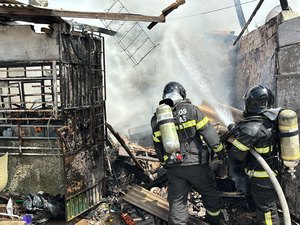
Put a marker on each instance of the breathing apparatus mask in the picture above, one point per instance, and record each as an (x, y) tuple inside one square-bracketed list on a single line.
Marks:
[(174, 91), (174, 96)]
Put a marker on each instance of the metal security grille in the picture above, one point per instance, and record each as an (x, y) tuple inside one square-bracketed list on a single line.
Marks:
[(28, 89), (83, 102), (54, 111), (30, 103)]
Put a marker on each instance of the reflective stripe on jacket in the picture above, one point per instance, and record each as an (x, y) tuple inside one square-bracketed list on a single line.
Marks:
[(256, 133), (185, 125)]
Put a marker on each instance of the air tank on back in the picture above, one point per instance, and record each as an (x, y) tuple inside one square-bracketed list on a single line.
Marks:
[(289, 139), (167, 128)]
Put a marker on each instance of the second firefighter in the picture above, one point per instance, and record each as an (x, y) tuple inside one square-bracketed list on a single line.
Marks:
[(186, 161)]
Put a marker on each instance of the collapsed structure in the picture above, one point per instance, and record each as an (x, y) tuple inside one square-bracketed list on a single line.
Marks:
[(53, 114)]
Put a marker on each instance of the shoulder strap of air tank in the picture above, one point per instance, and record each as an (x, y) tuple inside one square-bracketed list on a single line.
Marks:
[(254, 119), (273, 125), (173, 120)]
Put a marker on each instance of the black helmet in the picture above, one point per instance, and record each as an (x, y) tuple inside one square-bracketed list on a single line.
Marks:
[(258, 99), (174, 87)]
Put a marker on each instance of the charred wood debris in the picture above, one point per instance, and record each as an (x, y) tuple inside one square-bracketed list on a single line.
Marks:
[(137, 189)]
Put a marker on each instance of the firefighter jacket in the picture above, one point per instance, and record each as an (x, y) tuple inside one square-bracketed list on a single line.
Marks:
[(195, 133), (261, 134)]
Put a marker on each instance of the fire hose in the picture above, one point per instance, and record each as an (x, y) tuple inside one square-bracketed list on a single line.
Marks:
[(278, 189)]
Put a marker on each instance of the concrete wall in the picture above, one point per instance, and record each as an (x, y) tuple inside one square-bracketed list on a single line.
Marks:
[(288, 93), (21, 42), (288, 79), (256, 59), (34, 171), (270, 56), (31, 174)]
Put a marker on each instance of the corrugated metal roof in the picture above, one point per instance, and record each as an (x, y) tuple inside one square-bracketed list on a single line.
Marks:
[(154, 204), (10, 12), (13, 13), (10, 1)]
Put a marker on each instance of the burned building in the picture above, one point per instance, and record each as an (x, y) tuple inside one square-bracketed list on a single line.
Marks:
[(52, 114), (53, 96)]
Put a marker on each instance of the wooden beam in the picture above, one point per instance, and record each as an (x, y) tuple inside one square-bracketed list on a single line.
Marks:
[(122, 142), (36, 11), (10, 222), (166, 11)]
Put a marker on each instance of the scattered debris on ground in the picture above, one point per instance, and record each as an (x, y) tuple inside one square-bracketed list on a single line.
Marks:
[(135, 194)]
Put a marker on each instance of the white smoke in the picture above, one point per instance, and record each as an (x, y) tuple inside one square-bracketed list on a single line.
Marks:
[(212, 82), (184, 54)]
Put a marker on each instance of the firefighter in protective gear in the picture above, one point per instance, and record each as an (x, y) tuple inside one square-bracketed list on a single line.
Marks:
[(259, 131), (190, 166)]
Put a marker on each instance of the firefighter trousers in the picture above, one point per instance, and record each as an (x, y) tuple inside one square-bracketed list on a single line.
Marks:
[(265, 199), (181, 179)]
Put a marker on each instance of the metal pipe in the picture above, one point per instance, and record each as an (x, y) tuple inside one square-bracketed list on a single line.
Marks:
[(240, 13), (249, 20), (34, 154), (122, 142), (25, 119), (278, 189), (30, 125), (55, 94), (10, 215), (152, 159), (28, 148)]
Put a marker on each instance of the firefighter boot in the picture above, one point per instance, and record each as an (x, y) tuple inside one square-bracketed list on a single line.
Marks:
[(213, 220)]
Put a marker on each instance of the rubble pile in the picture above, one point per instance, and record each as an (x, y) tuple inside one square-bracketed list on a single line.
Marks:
[(125, 176)]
